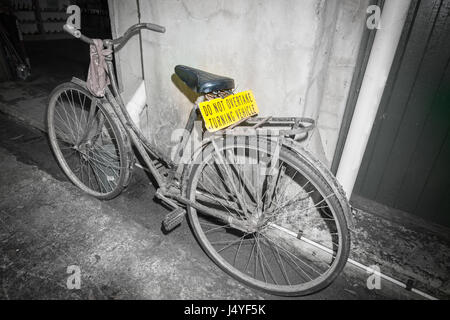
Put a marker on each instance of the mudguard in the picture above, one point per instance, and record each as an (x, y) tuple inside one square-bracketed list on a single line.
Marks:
[(330, 178)]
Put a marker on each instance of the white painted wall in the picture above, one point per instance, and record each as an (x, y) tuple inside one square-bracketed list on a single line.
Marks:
[(297, 56)]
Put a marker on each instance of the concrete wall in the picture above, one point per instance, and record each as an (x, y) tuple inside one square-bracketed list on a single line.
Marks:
[(350, 24), (297, 56), (123, 14)]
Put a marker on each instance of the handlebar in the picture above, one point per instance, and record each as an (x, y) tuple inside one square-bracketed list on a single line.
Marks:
[(76, 33), (119, 41), (135, 28)]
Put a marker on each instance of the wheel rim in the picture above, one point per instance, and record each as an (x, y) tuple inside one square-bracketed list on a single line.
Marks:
[(259, 245), (84, 140)]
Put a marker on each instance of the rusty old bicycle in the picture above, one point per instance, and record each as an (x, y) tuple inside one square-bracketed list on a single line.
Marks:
[(261, 206)]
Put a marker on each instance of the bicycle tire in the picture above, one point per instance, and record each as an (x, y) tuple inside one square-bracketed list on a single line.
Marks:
[(320, 182), (104, 159)]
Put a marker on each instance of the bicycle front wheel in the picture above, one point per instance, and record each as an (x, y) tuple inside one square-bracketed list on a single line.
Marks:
[(267, 217), (87, 141)]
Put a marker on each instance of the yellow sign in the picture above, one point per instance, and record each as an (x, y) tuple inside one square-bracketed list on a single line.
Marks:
[(221, 113)]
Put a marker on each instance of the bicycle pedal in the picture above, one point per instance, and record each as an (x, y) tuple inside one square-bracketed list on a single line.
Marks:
[(173, 219)]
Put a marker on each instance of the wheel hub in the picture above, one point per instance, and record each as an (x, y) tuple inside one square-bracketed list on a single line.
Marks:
[(256, 222)]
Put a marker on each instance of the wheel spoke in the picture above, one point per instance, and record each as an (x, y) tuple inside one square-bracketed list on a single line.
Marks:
[(272, 191), (87, 142)]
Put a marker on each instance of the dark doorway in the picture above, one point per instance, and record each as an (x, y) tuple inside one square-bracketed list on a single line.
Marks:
[(54, 54), (406, 165)]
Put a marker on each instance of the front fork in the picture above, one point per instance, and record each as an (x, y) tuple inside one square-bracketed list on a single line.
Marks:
[(87, 139)]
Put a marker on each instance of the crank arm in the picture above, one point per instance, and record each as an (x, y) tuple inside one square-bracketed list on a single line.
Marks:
[(223, 217)]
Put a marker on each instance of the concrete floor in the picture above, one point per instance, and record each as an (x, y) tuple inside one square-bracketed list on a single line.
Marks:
[(47, 225)]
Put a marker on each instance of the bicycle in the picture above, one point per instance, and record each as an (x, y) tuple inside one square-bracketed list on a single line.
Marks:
[(260, 205)]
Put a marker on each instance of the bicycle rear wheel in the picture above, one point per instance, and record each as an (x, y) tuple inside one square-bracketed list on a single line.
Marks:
[(267, 217), (87, 141)]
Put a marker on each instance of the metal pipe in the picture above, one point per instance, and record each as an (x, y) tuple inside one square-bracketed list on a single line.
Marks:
[(372, 87), (353, 262), (224, 217)]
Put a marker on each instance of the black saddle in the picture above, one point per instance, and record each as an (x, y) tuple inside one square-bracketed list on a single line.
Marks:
[(203, 82)]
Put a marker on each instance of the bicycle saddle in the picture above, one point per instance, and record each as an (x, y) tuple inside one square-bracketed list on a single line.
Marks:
[(203, 82)]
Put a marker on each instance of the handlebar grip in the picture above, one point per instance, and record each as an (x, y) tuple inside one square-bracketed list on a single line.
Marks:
[(155, 27), (71, 30), (76, 33)]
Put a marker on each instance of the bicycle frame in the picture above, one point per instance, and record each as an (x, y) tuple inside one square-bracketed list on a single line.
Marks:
[(233, 181), (143, 145), (245, 127), (166, 193), (137, 138)]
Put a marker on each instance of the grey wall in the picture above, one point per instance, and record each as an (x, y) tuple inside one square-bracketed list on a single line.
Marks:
[(298, 57)]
